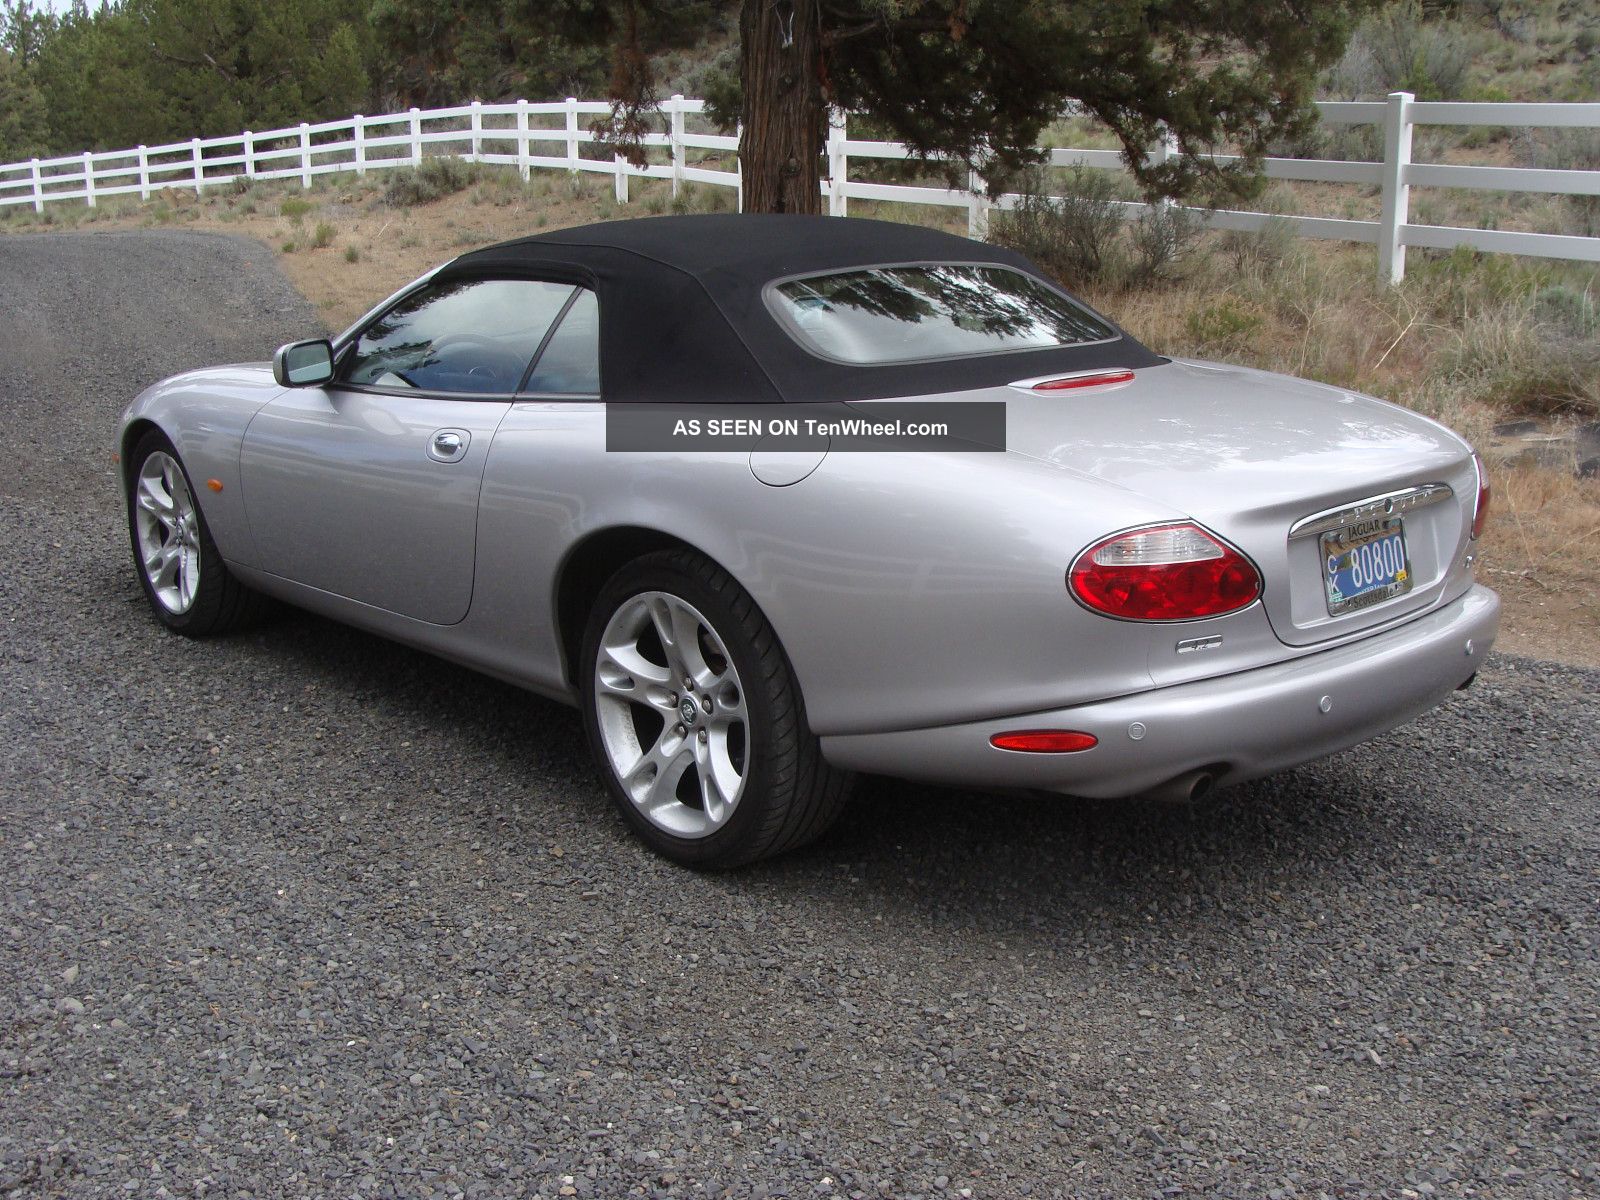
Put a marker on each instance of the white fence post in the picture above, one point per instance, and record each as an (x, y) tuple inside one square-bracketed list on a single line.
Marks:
[(477, 130), (88, 178), (199, 168), (572, 134), (359, 134), (738, 132), (38, 188), (838, 165), (675, 140), (144, 172), (1164, 150), (416, 137), (305, 154), (524, 167), (977, 206), (620, 166), (1396, 191), (249, 154)]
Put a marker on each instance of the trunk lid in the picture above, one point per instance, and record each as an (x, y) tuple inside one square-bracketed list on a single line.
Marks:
[(1251, 455)]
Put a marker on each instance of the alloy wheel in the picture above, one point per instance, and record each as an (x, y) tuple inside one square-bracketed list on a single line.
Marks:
[(168, 531), (672, 714)]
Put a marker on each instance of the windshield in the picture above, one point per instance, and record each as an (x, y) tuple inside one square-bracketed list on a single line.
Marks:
[(929, 311)]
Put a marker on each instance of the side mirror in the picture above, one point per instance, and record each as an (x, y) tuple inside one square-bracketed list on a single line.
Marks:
[(303, 364)]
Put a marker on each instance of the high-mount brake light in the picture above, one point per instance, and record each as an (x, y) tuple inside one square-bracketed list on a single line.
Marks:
[(1480, 514), (1083, 381), (1173, 572)]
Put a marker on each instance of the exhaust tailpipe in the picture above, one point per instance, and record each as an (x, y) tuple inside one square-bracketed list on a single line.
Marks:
[(1182, 789)]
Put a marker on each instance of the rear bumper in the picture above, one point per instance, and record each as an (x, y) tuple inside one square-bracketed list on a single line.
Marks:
[(1239, 726)]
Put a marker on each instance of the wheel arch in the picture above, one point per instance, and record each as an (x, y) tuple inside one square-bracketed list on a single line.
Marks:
[(136, 429), (585, 569)]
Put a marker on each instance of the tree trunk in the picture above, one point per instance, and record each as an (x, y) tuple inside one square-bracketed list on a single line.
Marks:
[(780, 62)]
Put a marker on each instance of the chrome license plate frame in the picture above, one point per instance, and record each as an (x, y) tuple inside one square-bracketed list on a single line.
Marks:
[(1364, 564)]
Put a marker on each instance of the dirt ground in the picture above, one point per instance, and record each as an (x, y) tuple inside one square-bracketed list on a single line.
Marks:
[(345, 250)]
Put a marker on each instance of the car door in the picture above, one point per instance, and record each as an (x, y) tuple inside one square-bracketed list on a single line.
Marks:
[(368, 487)]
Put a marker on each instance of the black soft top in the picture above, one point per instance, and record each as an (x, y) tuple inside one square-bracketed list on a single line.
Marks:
[(683, 319)]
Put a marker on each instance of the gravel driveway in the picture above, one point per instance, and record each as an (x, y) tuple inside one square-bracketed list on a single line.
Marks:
[(304, 913)]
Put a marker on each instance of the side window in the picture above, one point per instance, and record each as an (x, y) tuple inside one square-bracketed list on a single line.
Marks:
[(570, 363), (469, 336)]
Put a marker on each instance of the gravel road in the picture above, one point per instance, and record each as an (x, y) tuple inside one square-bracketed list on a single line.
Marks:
[(303, 913)]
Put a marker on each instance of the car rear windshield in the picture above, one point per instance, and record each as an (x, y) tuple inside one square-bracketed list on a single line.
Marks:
[(896, 314)]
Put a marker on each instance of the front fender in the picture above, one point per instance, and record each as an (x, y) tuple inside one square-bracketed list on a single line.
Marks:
[(204, 415)]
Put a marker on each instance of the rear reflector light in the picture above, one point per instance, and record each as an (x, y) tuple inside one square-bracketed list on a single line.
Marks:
[(1045, 741), (1082, 381), (1480, 515), (1166, 573)]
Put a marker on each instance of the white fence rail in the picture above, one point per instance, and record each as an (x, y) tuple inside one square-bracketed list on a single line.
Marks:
[(553, 136)]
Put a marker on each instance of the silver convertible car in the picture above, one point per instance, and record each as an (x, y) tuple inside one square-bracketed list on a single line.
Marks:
[(1159, 577)]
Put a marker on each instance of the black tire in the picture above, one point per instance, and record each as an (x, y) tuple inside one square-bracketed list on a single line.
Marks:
[(220, 604), (790, 795)]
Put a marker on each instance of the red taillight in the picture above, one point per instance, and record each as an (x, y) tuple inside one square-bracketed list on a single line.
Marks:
[(1045, 741), (1166, 573), (1480, 515), (1081, 381)]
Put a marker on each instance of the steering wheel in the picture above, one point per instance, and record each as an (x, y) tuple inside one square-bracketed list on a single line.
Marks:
[(494, 364)]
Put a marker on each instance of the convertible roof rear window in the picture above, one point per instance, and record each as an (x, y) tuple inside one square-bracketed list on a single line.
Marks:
[(922, 311)]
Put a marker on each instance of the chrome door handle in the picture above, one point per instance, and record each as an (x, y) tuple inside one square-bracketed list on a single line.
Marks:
[(449, 445)]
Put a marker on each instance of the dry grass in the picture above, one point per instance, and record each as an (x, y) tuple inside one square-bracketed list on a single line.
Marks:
[(1467, 340), (1541, 552)]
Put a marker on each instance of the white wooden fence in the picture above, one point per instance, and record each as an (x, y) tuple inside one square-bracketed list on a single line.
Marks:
[(553, 136)]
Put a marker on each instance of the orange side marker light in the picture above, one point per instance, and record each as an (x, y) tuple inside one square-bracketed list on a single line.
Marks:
[(214, 484)]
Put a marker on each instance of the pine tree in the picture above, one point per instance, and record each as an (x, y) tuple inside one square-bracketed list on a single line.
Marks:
[(24, 124), (975, 82)]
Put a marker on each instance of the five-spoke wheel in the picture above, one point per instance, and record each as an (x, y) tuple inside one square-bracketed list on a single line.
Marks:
[(166, 532), (695, 718), (672, 714), (188, 584)]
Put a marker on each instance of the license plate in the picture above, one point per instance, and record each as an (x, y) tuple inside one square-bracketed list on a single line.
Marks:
[(1365, 564)]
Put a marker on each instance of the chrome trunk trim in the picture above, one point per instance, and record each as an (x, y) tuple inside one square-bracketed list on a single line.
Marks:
[(1388, 505)]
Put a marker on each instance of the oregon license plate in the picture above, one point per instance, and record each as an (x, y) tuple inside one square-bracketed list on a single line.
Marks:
[(1365, 564)]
